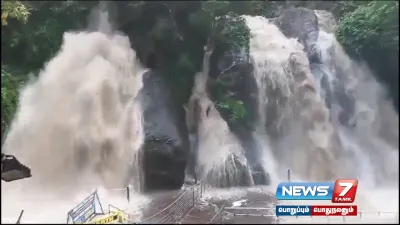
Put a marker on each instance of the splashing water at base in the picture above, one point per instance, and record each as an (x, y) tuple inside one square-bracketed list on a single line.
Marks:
[(220, 158), (78, 127), (50, 208), (307, 129), (292, 116), (370, 135), (306, 134)]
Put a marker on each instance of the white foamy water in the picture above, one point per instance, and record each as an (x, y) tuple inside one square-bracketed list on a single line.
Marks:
[(217, 149), (292, 116), (51, 208), (371, 146), (78, 127), (224, 193), (309, 136)]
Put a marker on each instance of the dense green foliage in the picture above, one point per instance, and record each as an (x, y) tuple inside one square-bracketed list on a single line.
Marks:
[(371, 32), (370, 28), (170, 36), (14, 10), (9, 97)]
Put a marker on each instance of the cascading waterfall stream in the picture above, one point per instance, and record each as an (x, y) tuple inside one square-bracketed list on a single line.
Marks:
[(293, 116), (325, 120), (78, 126), (219, 156), (79, 123), (366, 122)]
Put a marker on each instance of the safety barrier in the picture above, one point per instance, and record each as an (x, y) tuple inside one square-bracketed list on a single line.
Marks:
[(180, 208), (218, 217), (19, 218), (177, 211)]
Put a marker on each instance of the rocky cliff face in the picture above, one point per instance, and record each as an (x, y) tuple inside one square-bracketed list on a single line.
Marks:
[(301, 23), (236, 70), (165, 149)]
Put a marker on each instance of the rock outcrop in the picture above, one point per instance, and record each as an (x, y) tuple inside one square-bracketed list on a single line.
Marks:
[(235, 71), (301, 23), (305, 25), (165, 149)]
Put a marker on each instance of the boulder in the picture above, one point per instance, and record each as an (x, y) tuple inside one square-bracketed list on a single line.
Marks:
[(301, 23), (260, 177), (165, 149), (235, 70)]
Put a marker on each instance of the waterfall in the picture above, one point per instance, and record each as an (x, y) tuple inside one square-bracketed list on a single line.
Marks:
[(291, 115), (220, 158), (78, 125), (324, 120), (364, 119)]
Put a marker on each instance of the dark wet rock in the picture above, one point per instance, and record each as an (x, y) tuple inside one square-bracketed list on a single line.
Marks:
[(165, 151), (240, 177), (235, 71), (301, 23), (260, 177)]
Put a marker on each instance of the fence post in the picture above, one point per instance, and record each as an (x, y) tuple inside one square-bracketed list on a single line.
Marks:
[(288, 175), (193, 196), (127, 194), (201, 189), (20, 216)]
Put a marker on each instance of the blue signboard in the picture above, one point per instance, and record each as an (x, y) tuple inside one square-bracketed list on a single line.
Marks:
[(84, 211)]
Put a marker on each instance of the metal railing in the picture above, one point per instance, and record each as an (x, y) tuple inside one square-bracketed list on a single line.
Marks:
[(180, 208), (218, 217)]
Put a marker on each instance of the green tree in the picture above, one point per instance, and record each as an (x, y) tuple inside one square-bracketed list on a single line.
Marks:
[(371, 32), (10, 85), (14, 10)]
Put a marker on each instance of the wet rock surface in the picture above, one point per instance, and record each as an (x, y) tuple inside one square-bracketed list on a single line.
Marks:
[(301, 23), (152, 212), (234, 72), (164, 150)]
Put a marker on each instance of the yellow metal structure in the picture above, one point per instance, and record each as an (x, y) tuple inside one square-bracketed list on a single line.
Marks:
[(112, 217)]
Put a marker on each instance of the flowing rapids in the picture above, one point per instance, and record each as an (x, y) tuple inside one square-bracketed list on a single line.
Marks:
[(291, 115), (78, 126), (321, 120), (219, 156), (330, 121), (79, 123)]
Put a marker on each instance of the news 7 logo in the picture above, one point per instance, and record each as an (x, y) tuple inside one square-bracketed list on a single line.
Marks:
[(344, 191), (340, 191)]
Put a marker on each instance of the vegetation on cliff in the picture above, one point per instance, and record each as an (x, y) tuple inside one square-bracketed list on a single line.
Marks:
[(371, 33), (170, 36)]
